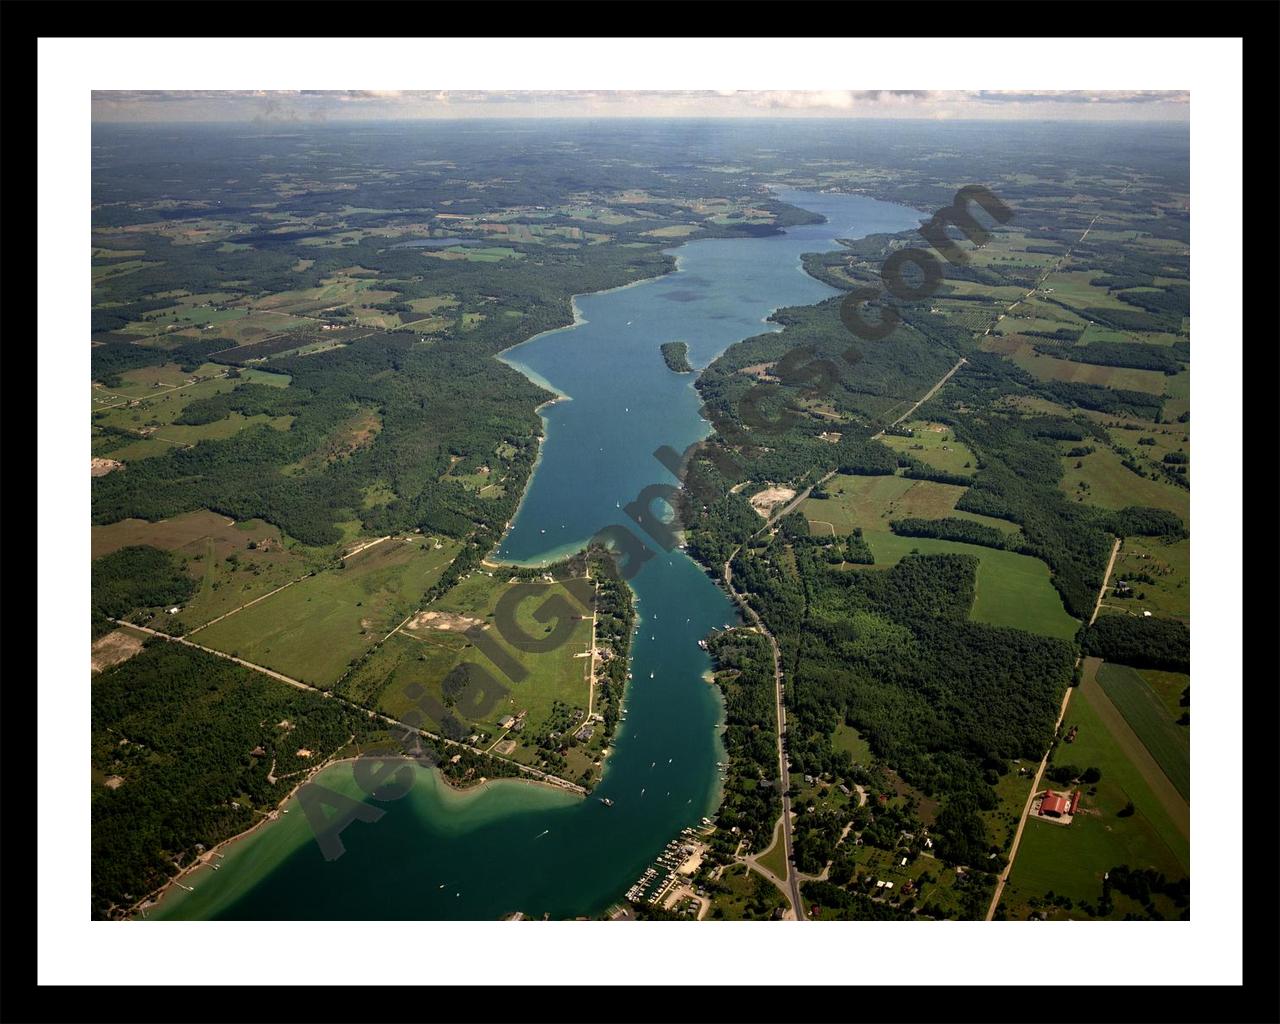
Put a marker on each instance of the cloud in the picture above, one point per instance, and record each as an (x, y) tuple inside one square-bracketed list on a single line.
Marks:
[(373, 104)]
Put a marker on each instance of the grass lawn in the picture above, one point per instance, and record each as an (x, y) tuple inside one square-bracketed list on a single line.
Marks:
[(775, 858), (1147, 716), (1011, 589), (314, 629)]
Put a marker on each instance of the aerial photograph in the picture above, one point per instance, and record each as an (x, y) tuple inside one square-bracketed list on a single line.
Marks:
[(639, 506)]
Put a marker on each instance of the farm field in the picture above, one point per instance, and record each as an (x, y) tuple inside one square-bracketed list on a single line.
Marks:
[(1011, 589), (553, 695), (935, 445), (1150, 720), (872, 502), (1169, 687), (1111, 485), (187, 531), (1071, 860), (313, 630), (1021, 350)]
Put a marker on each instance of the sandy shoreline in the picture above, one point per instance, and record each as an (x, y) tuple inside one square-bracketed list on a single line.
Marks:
[(205, 859)]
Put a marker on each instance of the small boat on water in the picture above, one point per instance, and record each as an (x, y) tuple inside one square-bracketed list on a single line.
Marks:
[(606, 801)]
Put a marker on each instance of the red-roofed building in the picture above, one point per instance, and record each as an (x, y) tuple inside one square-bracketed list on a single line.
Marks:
[(1075, 801), (1053, 804)]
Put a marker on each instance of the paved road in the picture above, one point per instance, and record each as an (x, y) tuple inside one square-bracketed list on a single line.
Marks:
[(554, 780), (784, 776), (1035, 783)]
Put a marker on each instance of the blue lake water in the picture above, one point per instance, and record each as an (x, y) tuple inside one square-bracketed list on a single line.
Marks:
[(513, 846)]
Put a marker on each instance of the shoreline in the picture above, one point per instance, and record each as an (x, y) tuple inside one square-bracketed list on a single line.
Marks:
[(205, 860), (579, 319)]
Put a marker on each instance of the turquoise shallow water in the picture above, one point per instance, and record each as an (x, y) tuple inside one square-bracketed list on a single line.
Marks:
[(515, 846)]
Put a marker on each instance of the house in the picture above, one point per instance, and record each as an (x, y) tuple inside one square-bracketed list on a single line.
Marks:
[(506, 722), (1075, 801), (1053, 805)]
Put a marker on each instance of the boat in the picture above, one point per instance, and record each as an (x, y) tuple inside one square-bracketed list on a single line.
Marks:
[(650, 675), (606, 801)]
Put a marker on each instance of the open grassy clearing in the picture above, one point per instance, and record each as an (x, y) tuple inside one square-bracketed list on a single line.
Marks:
[(1020, 350), (872, 502), (552, 696), (775, 858), (161, 399), (1073, 288), (1011, 589), (748, 896), (232, 562), (1169, 687), (847, 738), (1149, 718), (165, 437), (313, 630), (935, 445), (1011, 795), (1109, 484), (183, 531)]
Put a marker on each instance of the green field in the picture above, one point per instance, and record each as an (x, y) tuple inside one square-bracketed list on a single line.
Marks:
[(747, 896), (229, 572), (1169, 687), (1071, 860), (1011, 589), (935, 445), (775, 858), (1111, 485), (161, 394), (872, 502), (1147, 716), (847, 738), (426, 651), (314, 629)]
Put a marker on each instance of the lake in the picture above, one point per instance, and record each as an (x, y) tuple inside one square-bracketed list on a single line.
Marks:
[(439, 854)]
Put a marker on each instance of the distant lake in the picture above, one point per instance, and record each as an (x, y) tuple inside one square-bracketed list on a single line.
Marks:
[(441, 855)]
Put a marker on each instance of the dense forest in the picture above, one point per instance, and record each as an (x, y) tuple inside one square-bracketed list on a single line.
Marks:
[(135, 577), (1141, 642), (183, 744), (947, 702), (676, 356)]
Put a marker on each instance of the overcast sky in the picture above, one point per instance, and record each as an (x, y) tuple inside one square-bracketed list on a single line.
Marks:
[(375, 104)]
